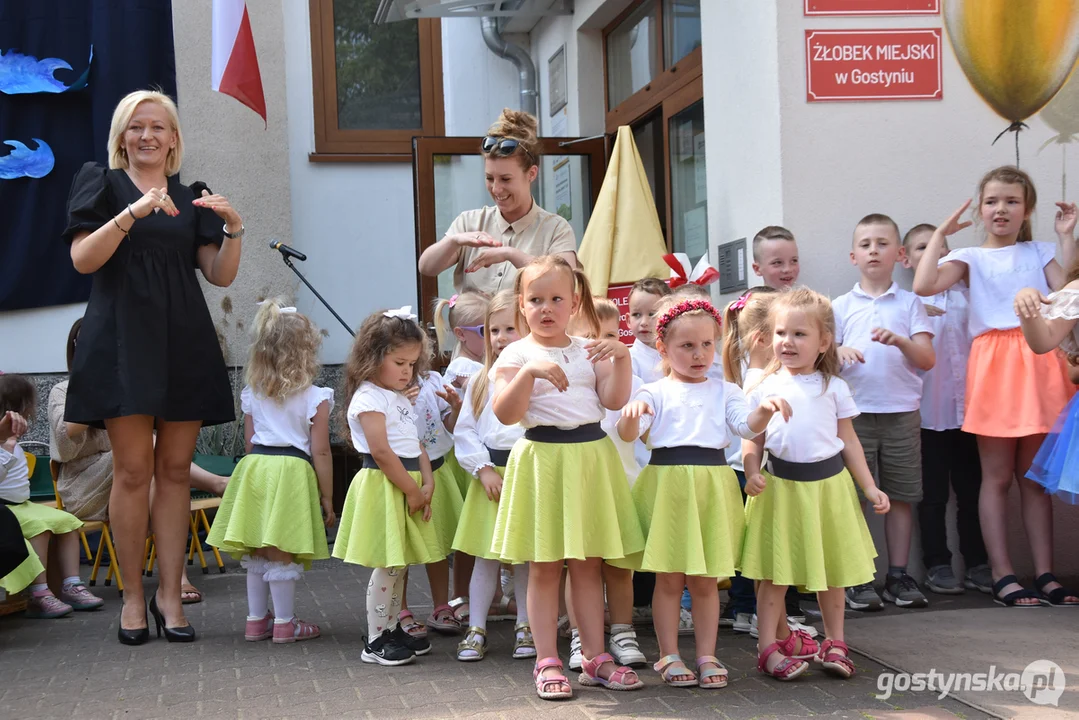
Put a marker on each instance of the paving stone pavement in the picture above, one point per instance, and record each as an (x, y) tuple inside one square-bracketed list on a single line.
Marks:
[(75, 668)]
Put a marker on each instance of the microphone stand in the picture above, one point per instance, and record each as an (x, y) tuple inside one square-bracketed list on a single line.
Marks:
[(288, 261)]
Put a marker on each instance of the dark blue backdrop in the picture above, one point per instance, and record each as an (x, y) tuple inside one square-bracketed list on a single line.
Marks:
[(133, 50)]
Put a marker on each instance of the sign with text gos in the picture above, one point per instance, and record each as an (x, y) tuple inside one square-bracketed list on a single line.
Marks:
[(873, 65)]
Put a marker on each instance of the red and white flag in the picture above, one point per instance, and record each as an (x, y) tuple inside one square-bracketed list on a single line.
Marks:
[(235, 67)]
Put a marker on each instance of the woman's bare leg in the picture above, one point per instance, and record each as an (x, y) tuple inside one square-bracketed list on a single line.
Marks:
[(132, 443)]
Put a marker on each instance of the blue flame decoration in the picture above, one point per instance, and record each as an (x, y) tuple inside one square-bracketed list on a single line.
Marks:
[(24, 162), (24, 74)]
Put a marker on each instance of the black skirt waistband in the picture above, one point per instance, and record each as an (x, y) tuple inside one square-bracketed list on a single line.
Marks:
[(581, 434), (499, 457), (411, 464), (286, 450), (806, 472), (688, 455)]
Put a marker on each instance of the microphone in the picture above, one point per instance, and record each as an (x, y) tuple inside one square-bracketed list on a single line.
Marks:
[(286, 251)]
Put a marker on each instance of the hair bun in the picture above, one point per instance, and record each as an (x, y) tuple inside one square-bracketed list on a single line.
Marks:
[(517, 124)]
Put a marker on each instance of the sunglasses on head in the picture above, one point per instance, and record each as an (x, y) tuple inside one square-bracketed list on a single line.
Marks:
[(503, 146), (478, 329)]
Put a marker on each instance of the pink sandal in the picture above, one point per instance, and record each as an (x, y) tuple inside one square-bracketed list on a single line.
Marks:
[(411, 625), (294, 630), (444, 621), (787, 669), (808, 649), (835, 658), (542, 682), (261, 629), (617, 681)]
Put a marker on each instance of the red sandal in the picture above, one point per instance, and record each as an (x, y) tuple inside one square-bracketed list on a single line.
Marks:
[(543, 682), (835, 658), (806, 651), (787, 669), (619, 679)]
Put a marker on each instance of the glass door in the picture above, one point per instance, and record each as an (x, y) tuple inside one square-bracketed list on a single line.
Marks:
[(448, 173), (687, 212)]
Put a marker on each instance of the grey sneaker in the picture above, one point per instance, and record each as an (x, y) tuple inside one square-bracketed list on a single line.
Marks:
[(904, 592), (941, 580), (46, 606), (863, 597), (980, 577)]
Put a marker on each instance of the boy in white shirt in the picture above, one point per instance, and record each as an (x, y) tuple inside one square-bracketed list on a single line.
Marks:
[(644, 296), (885, 339), (949, 455), (775, 257)]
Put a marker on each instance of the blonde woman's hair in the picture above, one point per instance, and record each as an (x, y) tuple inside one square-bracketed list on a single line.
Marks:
[(378, 337), (121, 118), (605, 310), (284, 354), (745, 321), (539, 267), (503, 300), (819, 309), (466, 309), (522, 127)]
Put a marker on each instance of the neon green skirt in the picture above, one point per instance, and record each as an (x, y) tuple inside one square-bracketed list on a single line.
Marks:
[(20, 578), (446, 504), (476, 527), (35, 519)]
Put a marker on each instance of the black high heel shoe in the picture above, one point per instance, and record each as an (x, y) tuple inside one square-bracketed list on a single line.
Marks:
[(172, 634), (138, 636)]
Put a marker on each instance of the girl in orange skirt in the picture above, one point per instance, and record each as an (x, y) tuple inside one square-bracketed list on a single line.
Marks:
[(1013, 395)]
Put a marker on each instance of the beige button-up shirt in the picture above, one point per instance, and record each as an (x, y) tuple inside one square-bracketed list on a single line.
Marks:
[(537, 233)]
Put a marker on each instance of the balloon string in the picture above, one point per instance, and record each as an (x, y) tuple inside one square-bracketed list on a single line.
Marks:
[(1064, 173), (1015, 127)]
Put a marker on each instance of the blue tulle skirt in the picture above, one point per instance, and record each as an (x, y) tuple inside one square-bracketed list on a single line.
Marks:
[(1056, 466)]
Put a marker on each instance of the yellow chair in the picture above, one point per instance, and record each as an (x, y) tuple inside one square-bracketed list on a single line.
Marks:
[(199, 506), (88, 527)]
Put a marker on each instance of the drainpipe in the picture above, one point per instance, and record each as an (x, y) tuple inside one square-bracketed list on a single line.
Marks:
[(526, 69)]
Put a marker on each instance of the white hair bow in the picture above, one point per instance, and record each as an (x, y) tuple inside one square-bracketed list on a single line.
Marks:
[(280, 309), (405, 313), (682, 272)]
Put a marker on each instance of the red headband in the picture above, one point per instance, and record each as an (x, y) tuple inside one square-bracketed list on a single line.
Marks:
[(684, 307)]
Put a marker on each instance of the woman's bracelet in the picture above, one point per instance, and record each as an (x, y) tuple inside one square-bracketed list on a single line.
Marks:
[(131, 212), (118, 227)]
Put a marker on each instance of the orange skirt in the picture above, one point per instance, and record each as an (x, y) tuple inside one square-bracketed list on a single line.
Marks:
[(1011, 392)]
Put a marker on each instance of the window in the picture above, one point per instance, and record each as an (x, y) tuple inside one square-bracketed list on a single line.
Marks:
[(375, 86), (652, 71)]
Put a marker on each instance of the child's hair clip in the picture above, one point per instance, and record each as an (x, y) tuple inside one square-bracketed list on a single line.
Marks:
[(404, 313), (453, 300), (740, 303)]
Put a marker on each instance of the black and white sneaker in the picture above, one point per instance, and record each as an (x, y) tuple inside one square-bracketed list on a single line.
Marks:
[(418, 645), (385, 650)]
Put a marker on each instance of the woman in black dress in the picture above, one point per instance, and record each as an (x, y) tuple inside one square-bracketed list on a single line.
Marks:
[(148, 356)]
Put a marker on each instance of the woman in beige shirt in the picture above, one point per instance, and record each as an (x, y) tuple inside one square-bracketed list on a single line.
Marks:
[(489, 244)]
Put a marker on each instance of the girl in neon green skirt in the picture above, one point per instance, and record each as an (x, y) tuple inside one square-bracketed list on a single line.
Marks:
[(483, 445), (385, 524), (271, 516), (565, 497), (804, 524), (687, 497)]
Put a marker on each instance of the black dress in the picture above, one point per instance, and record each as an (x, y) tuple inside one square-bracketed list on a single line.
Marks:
[(147, 344)]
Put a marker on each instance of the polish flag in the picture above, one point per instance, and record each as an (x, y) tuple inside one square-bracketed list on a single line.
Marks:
[(235, 67)]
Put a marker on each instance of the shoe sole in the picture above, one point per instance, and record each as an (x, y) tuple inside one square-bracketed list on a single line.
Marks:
[(888, 597), (372, 659), (865, 607), (87, 608), (421, 652), (258, 638), (971, 585), (742, 628), (631, 663), (726, 622), (941, 590)]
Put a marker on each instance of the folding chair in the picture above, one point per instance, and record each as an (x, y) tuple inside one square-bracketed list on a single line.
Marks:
[(103, 543), (200, 503)]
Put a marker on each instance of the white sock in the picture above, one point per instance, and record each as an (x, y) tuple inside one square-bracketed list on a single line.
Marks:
[(282, 578), (520, 591), (380, 591), (481, 591), (73, 580), (258, 591), (39, 588)]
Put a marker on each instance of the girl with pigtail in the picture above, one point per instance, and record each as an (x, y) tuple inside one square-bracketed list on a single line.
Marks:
[(461, 317), (280, 497)]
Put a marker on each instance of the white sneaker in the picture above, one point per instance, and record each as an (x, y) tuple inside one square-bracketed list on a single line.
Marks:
[(685, 622), (744, 622), (807, 629), (576, 655), (625, 648)]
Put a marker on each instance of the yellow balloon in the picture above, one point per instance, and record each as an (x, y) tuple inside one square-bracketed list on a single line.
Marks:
[(1016, 53), (1062, 112)]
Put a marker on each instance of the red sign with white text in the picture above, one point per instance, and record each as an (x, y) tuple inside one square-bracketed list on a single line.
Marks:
[(619, 294), (872, 7), (873, 65)]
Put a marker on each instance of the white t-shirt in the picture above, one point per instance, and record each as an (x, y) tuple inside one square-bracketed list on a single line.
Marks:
[(14, 475), (634, 454), (690, 414), (944, 388), (750, 376), (400, 419), (886, 382), (812, 433), (430, 411), (647, 363), (996, 276), (461, 367), (472, 436), (578, 405), (286, 423)]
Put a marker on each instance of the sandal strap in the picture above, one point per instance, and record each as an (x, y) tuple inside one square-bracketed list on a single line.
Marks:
[(703, 659), (1044, 579), (304, 629), (457, 602), (545, 663), (405, 614), (829, 644), (591, 666), (1004, 582)]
